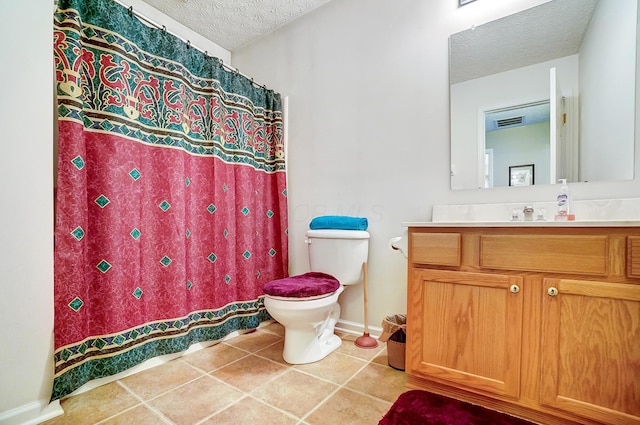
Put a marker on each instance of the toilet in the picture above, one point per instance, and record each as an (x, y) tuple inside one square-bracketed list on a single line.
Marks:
[(307, 305)]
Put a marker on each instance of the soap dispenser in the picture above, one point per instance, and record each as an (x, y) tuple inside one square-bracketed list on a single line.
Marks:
[(562, 202)]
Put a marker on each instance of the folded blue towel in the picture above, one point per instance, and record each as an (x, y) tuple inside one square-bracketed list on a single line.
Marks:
[(339, 222)]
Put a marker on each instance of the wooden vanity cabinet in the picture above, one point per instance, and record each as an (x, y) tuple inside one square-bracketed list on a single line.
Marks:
[(471, 328), (539, 322)]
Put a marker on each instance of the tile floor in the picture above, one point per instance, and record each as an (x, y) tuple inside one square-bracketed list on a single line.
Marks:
[(244, 380)]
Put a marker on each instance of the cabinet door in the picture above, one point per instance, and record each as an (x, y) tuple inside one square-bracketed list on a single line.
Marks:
[(465, 329), (591, 349)]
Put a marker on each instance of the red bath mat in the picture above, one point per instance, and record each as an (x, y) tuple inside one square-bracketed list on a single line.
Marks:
[(417, 407)]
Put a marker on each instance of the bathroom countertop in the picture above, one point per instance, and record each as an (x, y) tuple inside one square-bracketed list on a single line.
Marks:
[(589, 213), (576, 223)]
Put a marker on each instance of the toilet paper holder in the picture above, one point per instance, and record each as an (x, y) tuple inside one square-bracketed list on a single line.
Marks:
[(399, 243)]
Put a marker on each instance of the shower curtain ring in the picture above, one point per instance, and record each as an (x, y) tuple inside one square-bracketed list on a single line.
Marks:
[(164, 28), (188, 44), (131, 11)]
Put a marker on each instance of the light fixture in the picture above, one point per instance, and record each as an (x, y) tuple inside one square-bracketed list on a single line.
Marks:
[(463, 2)]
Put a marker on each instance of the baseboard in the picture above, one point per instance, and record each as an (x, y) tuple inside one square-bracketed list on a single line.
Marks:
[(356, 328), (31, 413)]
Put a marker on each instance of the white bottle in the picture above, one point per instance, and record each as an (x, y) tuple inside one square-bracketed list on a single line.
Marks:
[(562, 202)]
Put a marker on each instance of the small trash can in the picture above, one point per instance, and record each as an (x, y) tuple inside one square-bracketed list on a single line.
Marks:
[(393, 333)]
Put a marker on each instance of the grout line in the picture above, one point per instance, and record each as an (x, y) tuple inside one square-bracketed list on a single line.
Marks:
[(289, 414), (119, 413), (277, 408), (325, 379), (204, 372), (222, 409), (164, 393), (142, 403), (247, 354), (340, 387), (287, 368), (323, 401), (366, 361), (261, 348)]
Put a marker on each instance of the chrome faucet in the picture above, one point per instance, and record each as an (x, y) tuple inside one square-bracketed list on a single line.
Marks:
[(528, 212)]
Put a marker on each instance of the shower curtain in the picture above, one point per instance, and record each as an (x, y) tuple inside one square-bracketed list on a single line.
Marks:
[(171, 201)]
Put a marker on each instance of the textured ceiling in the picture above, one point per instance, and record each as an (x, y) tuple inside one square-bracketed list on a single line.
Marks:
[(234, 23), (549, 31)]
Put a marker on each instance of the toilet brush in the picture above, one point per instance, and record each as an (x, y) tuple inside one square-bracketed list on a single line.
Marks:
[(365, 341)]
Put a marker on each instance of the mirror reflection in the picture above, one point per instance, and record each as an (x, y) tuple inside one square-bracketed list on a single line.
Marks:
[(552, 87)]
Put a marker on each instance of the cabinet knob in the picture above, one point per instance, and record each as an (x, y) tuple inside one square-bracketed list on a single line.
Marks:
[(552, 291), (514, 289)]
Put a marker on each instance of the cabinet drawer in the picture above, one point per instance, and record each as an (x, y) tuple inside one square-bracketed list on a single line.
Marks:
[(546, 253), (633, 256), (436, 248)]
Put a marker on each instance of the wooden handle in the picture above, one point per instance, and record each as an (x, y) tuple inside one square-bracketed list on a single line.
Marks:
[(366, 304)]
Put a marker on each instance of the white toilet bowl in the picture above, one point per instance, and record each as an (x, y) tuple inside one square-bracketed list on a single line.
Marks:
[(309, 324), (307, 305)]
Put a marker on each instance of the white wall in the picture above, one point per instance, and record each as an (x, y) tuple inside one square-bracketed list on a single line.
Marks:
[(368, 91), (606, 117), (26, 209), (26, 205)]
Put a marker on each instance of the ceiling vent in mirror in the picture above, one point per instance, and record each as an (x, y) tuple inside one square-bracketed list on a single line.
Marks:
[(506, 122)]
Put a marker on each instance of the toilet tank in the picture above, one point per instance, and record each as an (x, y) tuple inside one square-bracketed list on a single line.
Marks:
[(339, 253)]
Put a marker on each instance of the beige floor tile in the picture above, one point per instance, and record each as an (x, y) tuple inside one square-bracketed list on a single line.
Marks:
[(214, 357), (379, 381), (273, 352), (381, 357), (249, 372), (250, 411), (336, 367), (140, 415), (254, 341), (247, 388), (95, 405), (196, 400), (294, 392), (274, 328), (349, 408), (349, 347), (157, 380)]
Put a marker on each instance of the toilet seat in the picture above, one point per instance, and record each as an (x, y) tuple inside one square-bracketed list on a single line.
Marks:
[(307, 286), (296, 299)]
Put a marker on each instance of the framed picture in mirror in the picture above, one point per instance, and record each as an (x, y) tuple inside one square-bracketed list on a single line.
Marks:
[(522, 175)]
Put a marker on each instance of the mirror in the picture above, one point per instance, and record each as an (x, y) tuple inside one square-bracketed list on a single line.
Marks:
[(552, 86)]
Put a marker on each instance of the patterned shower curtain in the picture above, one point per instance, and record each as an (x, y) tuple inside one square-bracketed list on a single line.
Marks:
[(171, 201)]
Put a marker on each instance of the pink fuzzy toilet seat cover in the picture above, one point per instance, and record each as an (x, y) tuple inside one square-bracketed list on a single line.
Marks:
[(305, 285)]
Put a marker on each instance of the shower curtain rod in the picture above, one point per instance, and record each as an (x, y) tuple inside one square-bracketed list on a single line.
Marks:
[(188, 42)]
